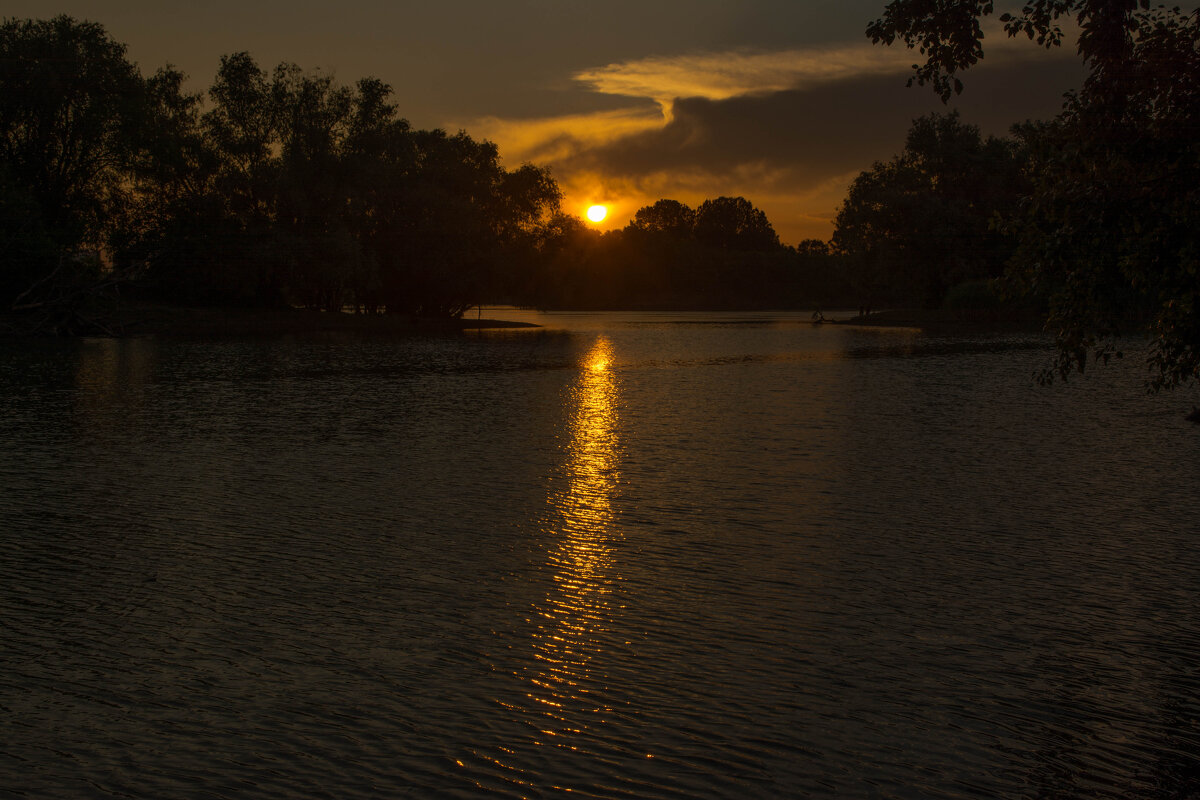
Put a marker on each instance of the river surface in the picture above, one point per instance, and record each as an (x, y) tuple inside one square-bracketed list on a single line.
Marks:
[(624, 555)]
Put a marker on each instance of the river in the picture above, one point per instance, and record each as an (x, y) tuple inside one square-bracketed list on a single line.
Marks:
[(625, 555)]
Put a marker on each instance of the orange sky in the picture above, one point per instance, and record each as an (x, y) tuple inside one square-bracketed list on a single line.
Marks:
[(780, 101)]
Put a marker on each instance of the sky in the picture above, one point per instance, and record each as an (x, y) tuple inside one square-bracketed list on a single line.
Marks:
[(782, 102)]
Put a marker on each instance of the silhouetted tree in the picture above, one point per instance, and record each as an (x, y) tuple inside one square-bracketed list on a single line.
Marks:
[(659, 251), (70, 102), (667, 217), (812, 247), (923, 222), (665, 258), (168, 174), (323, 257), (462, 212), (1110, 235), (380, 153), (564, 274), (950, 36), (310, 193), (733, 223), (28, 251), (219, 243), (1110, 229), (821, 278)]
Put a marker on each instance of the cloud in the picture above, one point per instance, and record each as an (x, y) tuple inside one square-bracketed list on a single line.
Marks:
[(824, 129), (723, 75), (719, 76), (553, 139), (788, 130)]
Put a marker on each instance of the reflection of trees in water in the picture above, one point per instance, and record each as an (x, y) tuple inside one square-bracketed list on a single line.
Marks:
[(112, 370)]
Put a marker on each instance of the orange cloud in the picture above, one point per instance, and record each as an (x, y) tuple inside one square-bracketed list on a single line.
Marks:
[(713, 76), (550, 139), (719, 76), (781, 128)]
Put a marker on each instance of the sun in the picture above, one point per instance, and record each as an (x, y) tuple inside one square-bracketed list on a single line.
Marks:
[(597, 213)]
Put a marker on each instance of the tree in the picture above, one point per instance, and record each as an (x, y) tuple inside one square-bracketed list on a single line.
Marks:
[(216, 242), (733, 223), (459, 215), (287, 188), (168, 169), (306, 192), (28, 250), (661, 253), (949, 34), (1108, 235), (812, 247), (922, 223), (666, 217), (379, 156), (323, 257), (71, 104)]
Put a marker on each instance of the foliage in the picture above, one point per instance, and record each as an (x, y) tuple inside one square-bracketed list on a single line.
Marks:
[(949, 34), (280, 188), (977, 295), (665, 217), (319, 195), (732, 223), (922, 222), (71, 102), (812, 247), (1108, 233), (28, 252), (461, 220)]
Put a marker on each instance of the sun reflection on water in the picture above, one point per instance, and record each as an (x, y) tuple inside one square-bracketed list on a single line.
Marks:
[(577, 606), (565, 691)]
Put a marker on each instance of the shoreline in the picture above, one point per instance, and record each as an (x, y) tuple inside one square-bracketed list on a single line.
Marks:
[(139, 319), (942, 321), (134, 320)]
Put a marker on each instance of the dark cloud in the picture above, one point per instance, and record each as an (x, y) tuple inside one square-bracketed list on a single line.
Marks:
[(817, 133), (464, 59)]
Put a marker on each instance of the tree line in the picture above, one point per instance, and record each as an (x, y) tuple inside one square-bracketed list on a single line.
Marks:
[(285, 188), (724, 254), (277, 188)]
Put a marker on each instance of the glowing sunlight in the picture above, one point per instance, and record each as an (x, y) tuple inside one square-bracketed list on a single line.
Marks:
[(576, 612)]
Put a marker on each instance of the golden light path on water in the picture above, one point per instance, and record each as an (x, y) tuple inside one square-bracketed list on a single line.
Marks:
[(561, 699), (582, 560)]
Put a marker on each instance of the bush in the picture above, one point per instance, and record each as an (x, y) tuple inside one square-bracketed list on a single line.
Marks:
[(972, 296)]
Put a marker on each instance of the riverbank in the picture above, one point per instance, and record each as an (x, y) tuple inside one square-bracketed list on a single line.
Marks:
[(151, 319), (148, 319), (950, 322)]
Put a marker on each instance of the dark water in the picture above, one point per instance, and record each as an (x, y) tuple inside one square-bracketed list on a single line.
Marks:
[(635, 556)]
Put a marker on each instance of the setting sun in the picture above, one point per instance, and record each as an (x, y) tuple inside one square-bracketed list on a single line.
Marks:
[(597, 213)]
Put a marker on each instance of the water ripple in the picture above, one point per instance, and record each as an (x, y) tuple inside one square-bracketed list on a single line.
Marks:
[(647, 561)]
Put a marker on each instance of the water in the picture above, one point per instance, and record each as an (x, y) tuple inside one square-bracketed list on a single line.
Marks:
[(626, 555)]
